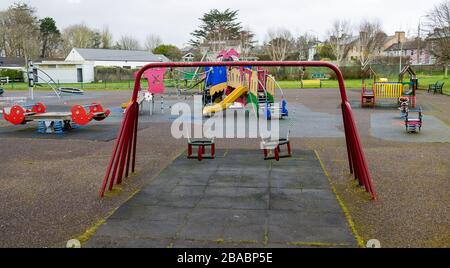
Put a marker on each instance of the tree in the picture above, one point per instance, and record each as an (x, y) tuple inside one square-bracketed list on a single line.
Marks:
[(247, 42), (279, 43), (106, 38), (20, 31), (339, 37), (151, 42), (326, 52), (80, 36), (50, 37), (303, 43), (439, 34), (371, 40), (3, 43), (128, 42), (216, 29), (170, 51)]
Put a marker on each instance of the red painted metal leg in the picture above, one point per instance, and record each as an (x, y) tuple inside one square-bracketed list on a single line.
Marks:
[(200, 153), (213, 151), (189, 150), (289, 148)]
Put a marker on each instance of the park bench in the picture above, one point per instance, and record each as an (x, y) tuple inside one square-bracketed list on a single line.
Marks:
[(437, 87), (319, 76)]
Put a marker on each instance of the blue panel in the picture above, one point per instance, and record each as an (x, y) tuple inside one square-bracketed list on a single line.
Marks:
[(218, 75)]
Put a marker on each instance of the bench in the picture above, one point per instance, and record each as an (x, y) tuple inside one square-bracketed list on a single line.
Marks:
[(436, 87), (319, 76), (311, 83)]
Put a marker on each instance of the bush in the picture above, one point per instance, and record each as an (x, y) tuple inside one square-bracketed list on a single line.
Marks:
[(15, 75), (114, 74)]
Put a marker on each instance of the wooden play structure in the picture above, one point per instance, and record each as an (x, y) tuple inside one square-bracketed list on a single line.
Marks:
[(55, 122), (383, 89)]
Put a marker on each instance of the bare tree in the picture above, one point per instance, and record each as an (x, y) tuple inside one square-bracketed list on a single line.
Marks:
[(3, 43), (303, 43), (151, 42), (20, 31), (79, 36), (106, 38), (340, 39), (279, 43), (371, 40), (439, 33), (128, 42)]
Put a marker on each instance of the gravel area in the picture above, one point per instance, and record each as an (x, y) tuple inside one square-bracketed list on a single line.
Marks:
[(50, 187)]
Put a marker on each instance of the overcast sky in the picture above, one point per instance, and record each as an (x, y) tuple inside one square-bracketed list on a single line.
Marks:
[(174, 20)]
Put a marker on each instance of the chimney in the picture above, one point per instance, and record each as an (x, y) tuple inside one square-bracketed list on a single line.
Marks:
[(400, 36)]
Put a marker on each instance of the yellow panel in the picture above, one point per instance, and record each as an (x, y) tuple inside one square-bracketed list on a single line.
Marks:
[(270, 85), (254, 84), (218, 88), (388, 90)]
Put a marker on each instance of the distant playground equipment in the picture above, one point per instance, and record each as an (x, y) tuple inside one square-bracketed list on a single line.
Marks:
[(414, 120), (56, 122), (201, 145), (272, 149), (404, 107), (382, 89), (155, 79), (241, 87)]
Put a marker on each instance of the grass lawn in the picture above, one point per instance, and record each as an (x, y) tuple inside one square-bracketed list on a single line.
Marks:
[(424, 81)]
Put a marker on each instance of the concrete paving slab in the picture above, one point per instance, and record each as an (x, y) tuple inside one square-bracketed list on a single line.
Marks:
[(389, 126), (236, 200)]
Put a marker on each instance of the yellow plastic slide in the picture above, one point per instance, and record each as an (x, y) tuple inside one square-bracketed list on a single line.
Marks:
[(227, 102)]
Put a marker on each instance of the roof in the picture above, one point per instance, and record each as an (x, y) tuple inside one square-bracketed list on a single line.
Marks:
[(409, 45), (93, 54), (12, 62)]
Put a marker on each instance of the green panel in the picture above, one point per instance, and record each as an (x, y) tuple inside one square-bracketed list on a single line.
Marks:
[(270, 98), (252, 101)]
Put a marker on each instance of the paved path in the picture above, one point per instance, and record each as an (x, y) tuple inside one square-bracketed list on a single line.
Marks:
[(237, 200)]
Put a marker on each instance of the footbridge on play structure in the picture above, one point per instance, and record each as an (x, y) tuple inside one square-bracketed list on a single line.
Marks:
[(123, 159)]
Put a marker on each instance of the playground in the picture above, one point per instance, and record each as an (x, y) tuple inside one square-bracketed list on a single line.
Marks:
[(236, 199)]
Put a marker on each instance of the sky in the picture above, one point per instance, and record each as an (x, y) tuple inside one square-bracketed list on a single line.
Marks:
[(174, 20)]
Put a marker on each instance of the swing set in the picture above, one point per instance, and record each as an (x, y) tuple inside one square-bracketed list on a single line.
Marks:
[(123, 159)]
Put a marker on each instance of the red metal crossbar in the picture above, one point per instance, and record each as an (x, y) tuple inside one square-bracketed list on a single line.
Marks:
[(124, 153)]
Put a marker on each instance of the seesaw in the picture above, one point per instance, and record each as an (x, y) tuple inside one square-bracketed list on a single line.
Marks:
[(55, 122)]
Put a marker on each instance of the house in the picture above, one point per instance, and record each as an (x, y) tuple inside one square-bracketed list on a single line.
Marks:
[(416, 50), (353, 45), (79, 66)]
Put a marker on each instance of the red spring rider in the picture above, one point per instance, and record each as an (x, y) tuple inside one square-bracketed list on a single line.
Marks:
[(16, 115), (82, 115)]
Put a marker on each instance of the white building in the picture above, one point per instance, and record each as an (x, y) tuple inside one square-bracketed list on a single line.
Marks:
[(79, 65)]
